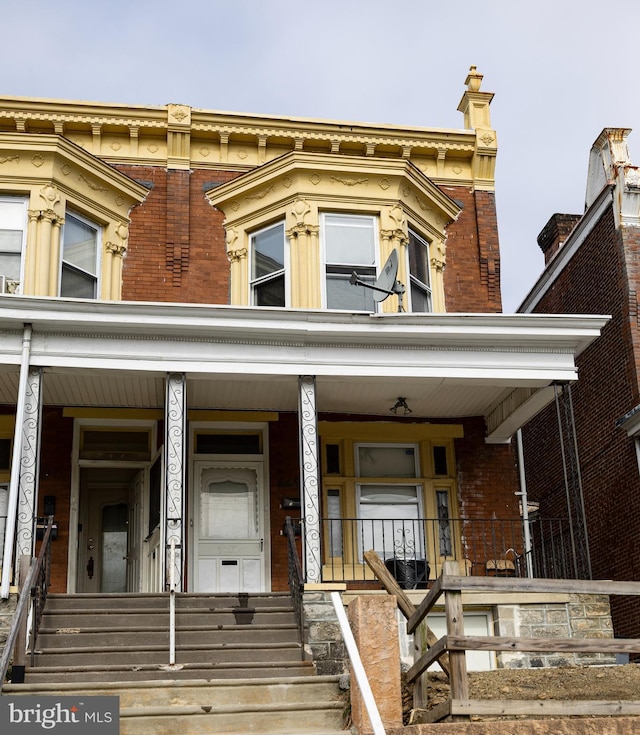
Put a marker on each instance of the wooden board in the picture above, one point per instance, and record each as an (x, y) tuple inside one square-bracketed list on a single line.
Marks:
[(543, 707)]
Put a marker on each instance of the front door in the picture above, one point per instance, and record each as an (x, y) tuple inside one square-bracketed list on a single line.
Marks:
[(229, 527), (108, 531)]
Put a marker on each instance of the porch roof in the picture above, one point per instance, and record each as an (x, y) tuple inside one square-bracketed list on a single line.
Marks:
[(501, 366)]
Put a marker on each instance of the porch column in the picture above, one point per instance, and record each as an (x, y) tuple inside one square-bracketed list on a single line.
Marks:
[(309, 477), (29, 466), (175, 436)]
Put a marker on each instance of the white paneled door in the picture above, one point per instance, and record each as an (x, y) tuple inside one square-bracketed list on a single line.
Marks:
[(229, 527)]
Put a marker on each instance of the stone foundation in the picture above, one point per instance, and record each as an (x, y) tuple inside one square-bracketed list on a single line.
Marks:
[(7, 611)]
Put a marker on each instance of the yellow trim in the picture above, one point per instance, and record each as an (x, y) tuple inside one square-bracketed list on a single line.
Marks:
[(157, 414), (7, 425), (383, 430), (78, 412)]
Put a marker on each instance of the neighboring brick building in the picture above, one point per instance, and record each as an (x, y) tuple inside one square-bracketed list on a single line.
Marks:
[(592, 266), (178, 296)]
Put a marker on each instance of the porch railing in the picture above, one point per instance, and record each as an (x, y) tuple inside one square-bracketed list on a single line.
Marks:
[(34, 585), (413, 550)]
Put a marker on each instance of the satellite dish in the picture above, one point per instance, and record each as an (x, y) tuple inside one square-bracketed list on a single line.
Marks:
[(387, 279), (386, 283)]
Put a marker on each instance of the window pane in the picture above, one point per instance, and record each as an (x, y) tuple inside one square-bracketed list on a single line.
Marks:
[(10, 265), (389, 461), (390, 525), (77, 285), (12, 223), (349, 239), (342, 295), (444, 526), (419, 258), (269, 293), (268, 251), (229, 510), (80, 245), (335, 523), (420, 298)]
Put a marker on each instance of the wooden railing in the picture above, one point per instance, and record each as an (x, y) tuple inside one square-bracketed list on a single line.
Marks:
[(34, 579), (451, 584)]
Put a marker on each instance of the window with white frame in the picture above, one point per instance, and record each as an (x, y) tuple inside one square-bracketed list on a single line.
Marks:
[(13, 226), (349, 245), (419, 276), (267, 256), (81, 241)]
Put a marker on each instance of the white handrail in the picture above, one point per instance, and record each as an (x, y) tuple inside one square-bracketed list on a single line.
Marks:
[(358, 668), (172, 604)]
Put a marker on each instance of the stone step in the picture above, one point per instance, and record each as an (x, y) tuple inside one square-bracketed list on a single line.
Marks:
[(119, 636), (212, 653), (149, 618), (140, 672)]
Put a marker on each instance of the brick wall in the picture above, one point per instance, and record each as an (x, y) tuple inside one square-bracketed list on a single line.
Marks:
[(472, 273), (602, 279), (176, 240)]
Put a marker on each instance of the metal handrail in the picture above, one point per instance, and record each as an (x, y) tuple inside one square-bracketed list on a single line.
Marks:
[(172, 604), (296, 578), (36, 584)]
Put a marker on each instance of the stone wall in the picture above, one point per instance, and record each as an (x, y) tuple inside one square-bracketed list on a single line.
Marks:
[(323, 637), (583, 616), (7, 611)]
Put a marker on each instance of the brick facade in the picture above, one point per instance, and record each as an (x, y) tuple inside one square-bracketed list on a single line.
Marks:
[(601, 277)]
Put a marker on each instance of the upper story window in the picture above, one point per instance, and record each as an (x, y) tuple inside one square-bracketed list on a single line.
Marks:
[(349, 244), (419, 273), (80, 248), (268, 266), (12, 236)]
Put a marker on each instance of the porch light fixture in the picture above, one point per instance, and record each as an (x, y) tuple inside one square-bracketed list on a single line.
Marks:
[(400, 407)]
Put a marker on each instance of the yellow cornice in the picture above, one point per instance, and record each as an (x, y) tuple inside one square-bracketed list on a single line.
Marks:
[(329, 179), (27, 159), (197, 138)]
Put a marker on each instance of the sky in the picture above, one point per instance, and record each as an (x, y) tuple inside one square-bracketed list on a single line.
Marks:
[(561, 71)]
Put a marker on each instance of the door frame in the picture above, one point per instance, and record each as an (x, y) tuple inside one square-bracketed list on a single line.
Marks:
[(237, 460), (77, 464)]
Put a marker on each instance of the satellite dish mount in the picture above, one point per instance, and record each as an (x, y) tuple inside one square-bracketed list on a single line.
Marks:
[(386, 283)]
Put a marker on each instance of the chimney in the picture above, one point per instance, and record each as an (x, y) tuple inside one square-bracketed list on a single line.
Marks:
[(555, 232)]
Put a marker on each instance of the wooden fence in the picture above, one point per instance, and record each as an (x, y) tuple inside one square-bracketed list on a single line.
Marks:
[(460, 707)]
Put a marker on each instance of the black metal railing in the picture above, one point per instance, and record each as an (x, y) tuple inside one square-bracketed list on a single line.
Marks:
[(296, 578), (413, 549), (32, 597)]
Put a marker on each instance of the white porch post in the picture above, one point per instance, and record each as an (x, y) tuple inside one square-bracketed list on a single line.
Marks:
[(309, 477), (175, 438), (29, 466), (12, 505)]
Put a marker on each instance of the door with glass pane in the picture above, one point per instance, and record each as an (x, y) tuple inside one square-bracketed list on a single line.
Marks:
[(229, 527)]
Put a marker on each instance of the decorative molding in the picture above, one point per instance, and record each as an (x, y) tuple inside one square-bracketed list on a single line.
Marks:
[(310, 477), (347, 181), (8, 159), (92, 184), (237, 255), (37, 160)]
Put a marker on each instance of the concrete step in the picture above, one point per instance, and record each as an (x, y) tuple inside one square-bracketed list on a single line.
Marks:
[(196, 691), (143, 671), (119, 636), (184, 600), (213, 653), (291, 705), (149, 618)]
